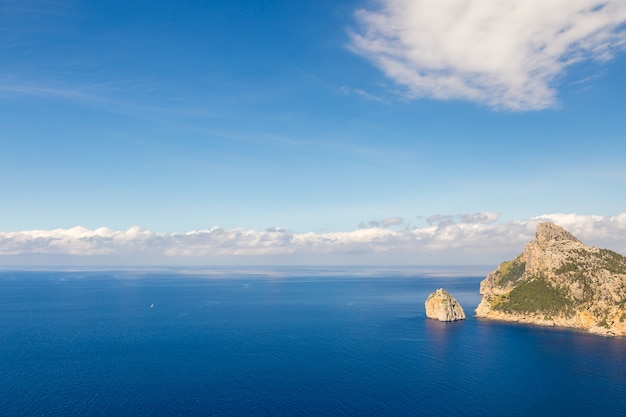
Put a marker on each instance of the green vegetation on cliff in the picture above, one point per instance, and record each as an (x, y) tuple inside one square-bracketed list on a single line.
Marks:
[(590, 260), (534, 296), (615, 262), (567, 267), (510, 271)]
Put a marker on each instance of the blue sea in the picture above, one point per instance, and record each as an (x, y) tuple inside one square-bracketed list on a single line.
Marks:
[(285, 342)]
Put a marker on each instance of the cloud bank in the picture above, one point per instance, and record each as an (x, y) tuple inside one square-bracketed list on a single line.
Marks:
[(464, 239), (505, 54)]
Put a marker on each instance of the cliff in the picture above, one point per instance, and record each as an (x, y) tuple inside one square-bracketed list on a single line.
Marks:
[(559, 281), (443, 307)]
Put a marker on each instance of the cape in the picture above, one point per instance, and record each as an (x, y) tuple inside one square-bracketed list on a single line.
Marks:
[(559, 281)]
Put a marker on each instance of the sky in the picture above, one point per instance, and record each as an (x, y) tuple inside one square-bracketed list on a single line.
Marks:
[(353, 132)]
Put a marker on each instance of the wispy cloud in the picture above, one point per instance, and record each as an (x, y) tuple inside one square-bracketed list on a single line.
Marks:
[(384, 223), (485, 217), (362, 93), (505, 54), (42, 91), (475, 239)]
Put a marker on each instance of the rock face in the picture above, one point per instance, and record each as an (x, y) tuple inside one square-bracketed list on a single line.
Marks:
[(443, 307), (559, 281)]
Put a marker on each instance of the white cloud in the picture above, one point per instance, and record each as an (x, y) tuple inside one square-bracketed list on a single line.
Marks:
[(475, 238), (506, 53)]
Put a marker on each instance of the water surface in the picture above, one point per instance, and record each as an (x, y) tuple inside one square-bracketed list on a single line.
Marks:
[(284, 342)]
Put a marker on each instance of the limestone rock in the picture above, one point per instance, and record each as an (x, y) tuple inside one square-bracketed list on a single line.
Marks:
[(559, 281), (443, 307)]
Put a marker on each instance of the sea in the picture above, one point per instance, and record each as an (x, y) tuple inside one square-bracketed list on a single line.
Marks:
[(285, 342)]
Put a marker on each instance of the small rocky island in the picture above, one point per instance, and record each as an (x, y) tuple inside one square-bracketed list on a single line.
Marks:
[(559, 281), (443, 307)]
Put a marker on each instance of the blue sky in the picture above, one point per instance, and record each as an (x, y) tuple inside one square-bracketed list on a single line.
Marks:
[(317, 117)]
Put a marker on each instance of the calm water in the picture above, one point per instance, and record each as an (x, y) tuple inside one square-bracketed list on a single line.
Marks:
[(284, 342)]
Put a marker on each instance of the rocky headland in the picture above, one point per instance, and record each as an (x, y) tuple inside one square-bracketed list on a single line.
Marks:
[(443, 307), (559, 281)]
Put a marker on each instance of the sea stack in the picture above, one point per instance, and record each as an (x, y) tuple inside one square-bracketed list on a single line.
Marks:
[(443, 307), (559, 281)]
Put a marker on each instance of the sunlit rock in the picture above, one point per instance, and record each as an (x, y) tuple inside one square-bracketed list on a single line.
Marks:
[(443, 307)]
